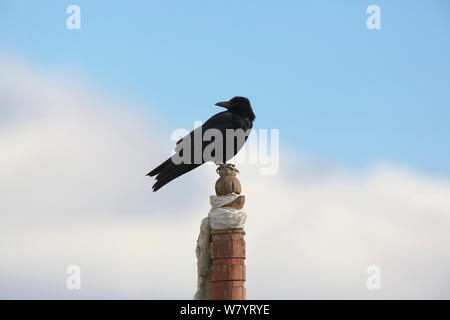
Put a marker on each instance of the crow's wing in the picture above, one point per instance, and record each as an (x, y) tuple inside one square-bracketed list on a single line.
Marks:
[(172, 168)]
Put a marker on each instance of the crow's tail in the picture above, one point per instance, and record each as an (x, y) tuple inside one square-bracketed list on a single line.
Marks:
[(160, 168), (168, 171)]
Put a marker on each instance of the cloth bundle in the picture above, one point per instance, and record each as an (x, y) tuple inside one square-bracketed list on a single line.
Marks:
[(223, 217)]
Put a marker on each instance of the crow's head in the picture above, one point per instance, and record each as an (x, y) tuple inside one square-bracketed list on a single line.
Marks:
[(239, 105)]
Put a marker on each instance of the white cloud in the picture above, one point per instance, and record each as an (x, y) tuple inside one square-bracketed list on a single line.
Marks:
[(73, 191)]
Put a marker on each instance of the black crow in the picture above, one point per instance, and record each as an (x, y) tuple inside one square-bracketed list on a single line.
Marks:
[(203, 143)]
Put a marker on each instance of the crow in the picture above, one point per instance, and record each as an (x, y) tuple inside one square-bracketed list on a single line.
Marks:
[(192, 151)]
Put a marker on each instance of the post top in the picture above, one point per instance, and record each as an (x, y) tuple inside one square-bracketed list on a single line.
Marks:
[(227, 169), (228, 182)]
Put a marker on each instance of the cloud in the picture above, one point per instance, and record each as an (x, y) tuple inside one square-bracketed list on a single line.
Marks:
[(73, 191)]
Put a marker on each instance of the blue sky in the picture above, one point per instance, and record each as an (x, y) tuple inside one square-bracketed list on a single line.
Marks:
[(337, 91)]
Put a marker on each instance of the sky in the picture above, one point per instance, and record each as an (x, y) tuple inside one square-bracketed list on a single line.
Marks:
[(338, 92), (364, 154)]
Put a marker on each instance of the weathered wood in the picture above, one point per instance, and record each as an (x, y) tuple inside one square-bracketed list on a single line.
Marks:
[(227, 183), (228, 247), (228, 271)]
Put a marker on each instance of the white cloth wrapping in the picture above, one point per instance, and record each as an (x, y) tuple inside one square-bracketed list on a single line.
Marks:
[(223, 217)]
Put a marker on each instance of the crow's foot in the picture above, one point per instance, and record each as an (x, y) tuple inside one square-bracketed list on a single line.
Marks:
[(227, 167)]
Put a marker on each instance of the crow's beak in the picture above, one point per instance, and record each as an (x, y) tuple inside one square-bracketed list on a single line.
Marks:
[(224, 104)]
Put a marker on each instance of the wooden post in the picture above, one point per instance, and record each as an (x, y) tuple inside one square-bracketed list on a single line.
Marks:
[(228, 245)]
